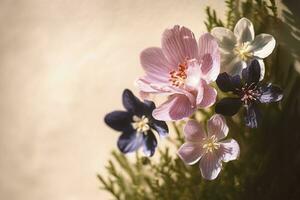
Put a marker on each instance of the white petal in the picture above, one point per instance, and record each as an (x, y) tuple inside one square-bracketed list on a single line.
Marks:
[(193, 74), (190, 153), (263, 45), (225, 37), (194, 131), (262, 68), (238, 67), (244, 30), (232, 64), (210, 165), (217, 126), (229, 150)]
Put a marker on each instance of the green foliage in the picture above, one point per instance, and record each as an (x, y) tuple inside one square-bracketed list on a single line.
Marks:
[(268, 167), (212, 19)]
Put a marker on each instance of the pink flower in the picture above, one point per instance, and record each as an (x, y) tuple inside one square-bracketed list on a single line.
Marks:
[(182, 70), (208, 147)]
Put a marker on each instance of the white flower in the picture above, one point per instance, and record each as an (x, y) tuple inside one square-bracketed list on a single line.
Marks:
[(241, 46)]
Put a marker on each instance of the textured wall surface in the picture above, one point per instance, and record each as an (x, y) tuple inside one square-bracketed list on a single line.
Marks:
[(63, 65)]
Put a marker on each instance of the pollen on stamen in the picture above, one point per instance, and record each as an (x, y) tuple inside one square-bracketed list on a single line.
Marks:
[(249, 93), (177, 78)]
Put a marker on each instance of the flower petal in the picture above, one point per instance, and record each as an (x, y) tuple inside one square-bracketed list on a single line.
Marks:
[(149, 106), (161, 127), (253, 116), (229, 149), (270, 93), (194, 131), (179, 44), (150, 144), (194, 74), (217, 126), (157, 88), (228, 106), (118, 120), (144, 85), (251, 74), (262, 68), (225, 37), (209, 56), (228, 83), (190, 153), (130, 141), (176, 107), (172, 90), (132, 103), (263, 45), (210, 165), (200, 93), (244, 30), (155, 64), (209, 96), (234, 66)]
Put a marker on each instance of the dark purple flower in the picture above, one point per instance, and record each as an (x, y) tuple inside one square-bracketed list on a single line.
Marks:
[(136, 124), (249, 91)]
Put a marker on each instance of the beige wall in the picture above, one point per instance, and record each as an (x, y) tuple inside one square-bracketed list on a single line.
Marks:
[(63, 65)]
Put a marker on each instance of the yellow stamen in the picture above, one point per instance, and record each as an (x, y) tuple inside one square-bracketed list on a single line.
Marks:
[(243, 51), (141, 125), (210, 144)]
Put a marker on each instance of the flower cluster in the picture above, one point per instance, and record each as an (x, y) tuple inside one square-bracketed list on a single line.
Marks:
[(182, 70)]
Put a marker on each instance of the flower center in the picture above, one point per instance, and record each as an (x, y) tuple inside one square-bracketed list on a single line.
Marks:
[(210, 144), (243, 51), (249, 93), (141, 125), (177, 78)]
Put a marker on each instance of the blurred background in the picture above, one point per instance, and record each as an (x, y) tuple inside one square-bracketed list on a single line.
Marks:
[(63, 66)]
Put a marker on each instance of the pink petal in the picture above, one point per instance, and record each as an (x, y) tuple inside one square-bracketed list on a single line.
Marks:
[(194, 131), (200, 93), (144, 95), (229, 149), (147, 87), (190, 153), (155, 64), (188, 94), (210, 165), (144, 86), (208, 97), (179, 44), (176, 107), (217, 126), (167, 89), (209, 56)]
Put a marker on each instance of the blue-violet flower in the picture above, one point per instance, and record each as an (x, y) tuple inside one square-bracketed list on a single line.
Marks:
[(249, 91), (136, 124)]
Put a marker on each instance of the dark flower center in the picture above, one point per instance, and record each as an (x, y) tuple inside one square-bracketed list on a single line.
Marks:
[(248, 93)]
